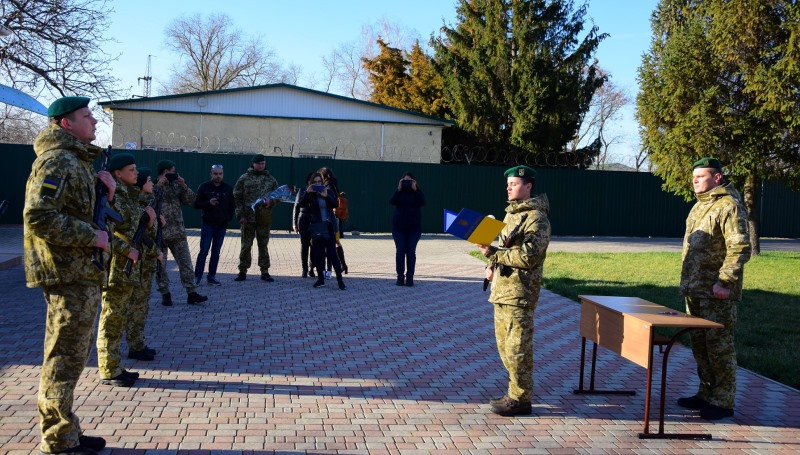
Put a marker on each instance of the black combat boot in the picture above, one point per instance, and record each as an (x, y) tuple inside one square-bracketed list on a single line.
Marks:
[(93, 442), (194, 298), (166, 299), (241, 276)]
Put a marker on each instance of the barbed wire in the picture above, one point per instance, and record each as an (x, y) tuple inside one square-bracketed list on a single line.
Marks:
[(343, 148)]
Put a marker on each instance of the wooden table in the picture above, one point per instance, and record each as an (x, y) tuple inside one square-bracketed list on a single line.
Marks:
[(626, 326)]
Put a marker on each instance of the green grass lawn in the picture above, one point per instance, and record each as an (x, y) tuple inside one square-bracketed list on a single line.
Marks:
[(768, 327)]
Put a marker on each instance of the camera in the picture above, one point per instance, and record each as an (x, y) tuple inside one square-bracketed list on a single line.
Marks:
[(407, 185), (171, 177), (318, 188)]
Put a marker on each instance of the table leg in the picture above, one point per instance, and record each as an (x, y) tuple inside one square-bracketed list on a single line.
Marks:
[(661, 435), (591, 390)]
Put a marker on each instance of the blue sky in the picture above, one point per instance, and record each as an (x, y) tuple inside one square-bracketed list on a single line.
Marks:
[(302, 32)]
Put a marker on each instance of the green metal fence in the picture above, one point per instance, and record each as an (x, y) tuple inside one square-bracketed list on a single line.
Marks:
[(583, 203)]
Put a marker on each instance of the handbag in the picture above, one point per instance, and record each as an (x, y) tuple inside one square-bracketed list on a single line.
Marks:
[(319, 230)]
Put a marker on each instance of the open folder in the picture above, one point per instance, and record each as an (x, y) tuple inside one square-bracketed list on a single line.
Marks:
[(472, 226)]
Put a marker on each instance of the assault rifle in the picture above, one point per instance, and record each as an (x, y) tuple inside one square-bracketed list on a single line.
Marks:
[(159, 194), (102, 212), (507, 244), (140, 238)]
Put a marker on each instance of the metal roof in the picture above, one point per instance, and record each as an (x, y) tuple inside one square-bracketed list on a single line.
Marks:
[(277, 100)]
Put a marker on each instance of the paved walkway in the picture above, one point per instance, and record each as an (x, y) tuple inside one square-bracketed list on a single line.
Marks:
[(284, 368)]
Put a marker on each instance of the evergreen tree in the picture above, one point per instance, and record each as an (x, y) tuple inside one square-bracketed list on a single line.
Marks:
[(516, 73), (722, 78), (388, 77), (424, 86)]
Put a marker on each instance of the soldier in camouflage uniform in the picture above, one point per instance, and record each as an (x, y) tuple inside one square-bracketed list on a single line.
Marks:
[(117, 296), (715, 248), (515, 272), (140, 299), (175, 193), (58, 240), (255, 183)]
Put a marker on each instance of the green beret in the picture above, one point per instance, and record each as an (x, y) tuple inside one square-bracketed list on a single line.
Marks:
[(164, 165), (144, 173), (258, 158), (707, 163), (120, 160), (521, 171), (64, 106)]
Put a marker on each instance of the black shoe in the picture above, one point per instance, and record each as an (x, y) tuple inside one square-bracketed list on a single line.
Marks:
[(195, 298), (311, 273), (92, 442), (409, 282), (77, 450), (693, 402), (240, 277), (150, 351), (166, 299), (342, 287), (140, 355), (400, 281), (713, 412), (266, 277), (510, 408), (213, 281), (130, 374), (320, 283), (119, 381), (305, 274), (497, 400)]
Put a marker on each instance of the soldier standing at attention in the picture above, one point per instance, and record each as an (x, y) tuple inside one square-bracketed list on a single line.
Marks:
[(140, 299), (118, 294), (515, 271), (715, 248), (58, 240), (253, 184), (176, 192)]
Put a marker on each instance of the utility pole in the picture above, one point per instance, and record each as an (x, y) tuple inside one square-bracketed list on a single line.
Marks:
[(147, 78)]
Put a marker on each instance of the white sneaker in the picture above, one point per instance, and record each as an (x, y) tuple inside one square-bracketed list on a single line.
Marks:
[(328, 275)]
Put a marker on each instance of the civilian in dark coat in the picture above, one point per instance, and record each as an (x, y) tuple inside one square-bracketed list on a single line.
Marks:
[(215, 199), (408, 200)]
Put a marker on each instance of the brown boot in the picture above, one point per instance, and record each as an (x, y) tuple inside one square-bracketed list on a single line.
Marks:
[(510, 408)]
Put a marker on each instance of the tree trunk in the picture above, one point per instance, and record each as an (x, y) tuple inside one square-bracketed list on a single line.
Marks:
[(750, 189)]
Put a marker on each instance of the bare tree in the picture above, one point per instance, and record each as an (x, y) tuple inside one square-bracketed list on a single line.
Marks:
[(344, 65), (18, 126), (53, 49), (606, 106), (214, 55)]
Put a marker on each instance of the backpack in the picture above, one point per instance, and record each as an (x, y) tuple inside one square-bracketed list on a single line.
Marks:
[(341, 211)]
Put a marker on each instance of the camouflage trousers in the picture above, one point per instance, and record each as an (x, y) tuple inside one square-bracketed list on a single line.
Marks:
[(513, 331), (183, 257), (714, 350), (138, 310), (71, 312), (113, 316), (260, 233)]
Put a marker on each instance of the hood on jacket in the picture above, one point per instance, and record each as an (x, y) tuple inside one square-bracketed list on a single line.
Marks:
[(538, 202), (54, 137), (726, 189)]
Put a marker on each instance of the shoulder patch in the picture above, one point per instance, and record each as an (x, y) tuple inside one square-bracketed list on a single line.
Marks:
[(50, 186)]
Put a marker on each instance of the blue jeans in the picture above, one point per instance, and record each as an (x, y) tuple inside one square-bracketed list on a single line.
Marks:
[(211, 237), (405, 241)]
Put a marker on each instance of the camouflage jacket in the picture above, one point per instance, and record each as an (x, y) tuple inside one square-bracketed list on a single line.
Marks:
[(716, 245), (518, 269), (149, 255), (126, 203), (175, 194), (59, 199), (251, 186)]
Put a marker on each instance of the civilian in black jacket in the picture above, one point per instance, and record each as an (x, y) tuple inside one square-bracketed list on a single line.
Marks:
[(215, 199), (408, 200)]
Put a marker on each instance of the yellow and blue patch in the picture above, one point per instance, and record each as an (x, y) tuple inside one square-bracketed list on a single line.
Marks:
[(50, 186)]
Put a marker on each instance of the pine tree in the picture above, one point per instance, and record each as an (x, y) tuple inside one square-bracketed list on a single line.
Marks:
[(516, 73), (722, 79)]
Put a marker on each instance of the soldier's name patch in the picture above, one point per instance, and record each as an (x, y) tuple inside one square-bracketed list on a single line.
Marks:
[(50, 185)]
